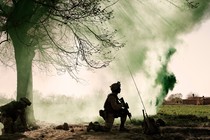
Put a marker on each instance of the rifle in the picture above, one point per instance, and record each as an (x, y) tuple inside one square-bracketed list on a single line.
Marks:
[(126, 107)]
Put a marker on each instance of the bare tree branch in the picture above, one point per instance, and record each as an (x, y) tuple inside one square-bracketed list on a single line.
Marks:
[(192, 4), (4, 40), (84, 40)]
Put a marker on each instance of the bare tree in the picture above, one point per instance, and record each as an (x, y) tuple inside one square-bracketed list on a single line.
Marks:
[(64, 34), (177, 97)]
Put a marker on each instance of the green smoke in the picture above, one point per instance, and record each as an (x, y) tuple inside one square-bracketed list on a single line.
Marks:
[(152, 30), (165, 78)]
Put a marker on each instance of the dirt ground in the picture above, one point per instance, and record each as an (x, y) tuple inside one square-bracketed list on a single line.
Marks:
[(79, 132)]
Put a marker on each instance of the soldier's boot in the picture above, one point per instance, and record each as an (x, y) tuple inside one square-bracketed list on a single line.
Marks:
[(123, 129)]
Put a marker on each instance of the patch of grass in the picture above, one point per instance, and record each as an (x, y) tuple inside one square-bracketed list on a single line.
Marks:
[(184, 115), (136, 121), (197, 110), (181, 115), (183, 120)]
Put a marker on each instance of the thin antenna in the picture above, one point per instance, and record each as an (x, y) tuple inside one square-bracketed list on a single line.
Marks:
[(135, 84), (137, 89)]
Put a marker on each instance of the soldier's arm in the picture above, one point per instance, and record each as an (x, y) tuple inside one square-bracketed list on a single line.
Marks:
[(114, 103)]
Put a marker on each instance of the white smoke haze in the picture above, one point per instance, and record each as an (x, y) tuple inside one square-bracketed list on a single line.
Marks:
[(150, 28), (59, 109)]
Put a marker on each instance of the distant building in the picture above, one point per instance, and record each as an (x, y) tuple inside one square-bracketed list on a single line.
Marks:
[(190, 101), (173, 102), (193, 101), (206, 101)]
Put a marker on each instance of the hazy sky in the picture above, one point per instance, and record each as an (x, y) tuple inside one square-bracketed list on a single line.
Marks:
[(191, 64)]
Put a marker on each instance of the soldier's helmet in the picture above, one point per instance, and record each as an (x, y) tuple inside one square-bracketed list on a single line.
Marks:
[(115, 86), (25, 100)]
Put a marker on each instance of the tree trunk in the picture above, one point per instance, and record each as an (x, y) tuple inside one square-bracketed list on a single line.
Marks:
[(24, 58), (24, 54)]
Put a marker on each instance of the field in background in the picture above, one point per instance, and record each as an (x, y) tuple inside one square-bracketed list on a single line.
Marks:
[(198, 110), (185, 115)]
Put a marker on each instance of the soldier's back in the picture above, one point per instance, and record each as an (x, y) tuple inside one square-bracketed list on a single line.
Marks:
[(9, 107)]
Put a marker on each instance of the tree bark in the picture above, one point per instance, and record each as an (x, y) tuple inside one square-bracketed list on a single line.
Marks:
[(24, 54), (24, 58)]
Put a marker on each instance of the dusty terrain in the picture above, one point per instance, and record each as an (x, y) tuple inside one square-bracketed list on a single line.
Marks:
[(78, 132)]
